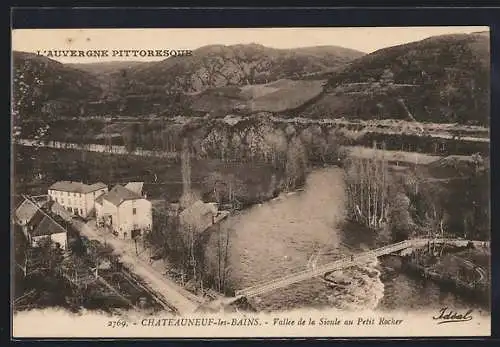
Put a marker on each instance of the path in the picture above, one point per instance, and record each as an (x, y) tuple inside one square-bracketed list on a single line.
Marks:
[(179, 298), (480, 271)]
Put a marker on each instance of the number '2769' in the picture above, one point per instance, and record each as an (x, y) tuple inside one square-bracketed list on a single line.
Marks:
[(117, 323)]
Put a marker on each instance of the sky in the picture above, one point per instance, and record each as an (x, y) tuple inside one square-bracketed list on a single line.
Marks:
[(365, 39)]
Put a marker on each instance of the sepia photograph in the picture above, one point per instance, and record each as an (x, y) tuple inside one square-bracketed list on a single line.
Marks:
[(238, 182)]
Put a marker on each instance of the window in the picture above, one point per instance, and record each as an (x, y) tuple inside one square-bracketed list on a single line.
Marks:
[(134, 211), (81, 211), (62, 201), (70, 209)]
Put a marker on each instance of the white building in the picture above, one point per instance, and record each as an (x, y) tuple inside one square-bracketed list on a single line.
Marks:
[(48, 228), (125, 212), (76, 197)]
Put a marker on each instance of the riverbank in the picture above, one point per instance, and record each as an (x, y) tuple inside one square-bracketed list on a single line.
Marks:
[(460, 272), (454, 272)]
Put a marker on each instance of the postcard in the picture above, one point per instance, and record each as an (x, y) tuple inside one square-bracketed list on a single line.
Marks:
[(232, 182)]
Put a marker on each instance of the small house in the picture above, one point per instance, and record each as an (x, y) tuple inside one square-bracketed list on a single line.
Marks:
[(125, 212), (199, 216), (37, 224), (48, 228)]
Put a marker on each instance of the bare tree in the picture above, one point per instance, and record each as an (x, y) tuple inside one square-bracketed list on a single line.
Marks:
[(188, 195), (367, 190), (296, 163)]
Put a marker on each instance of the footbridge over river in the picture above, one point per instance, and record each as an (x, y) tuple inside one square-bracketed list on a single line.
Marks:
[(346, 262)]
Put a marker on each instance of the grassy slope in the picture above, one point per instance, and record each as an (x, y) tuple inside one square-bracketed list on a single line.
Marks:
[(279, 96)]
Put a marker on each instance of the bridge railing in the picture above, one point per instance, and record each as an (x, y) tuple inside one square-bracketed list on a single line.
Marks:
[(295, 277), (322, 269), (343, 262)]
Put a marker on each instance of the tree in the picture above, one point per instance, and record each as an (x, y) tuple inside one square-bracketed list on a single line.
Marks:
[(296, 163), (130, 137), (387, 77), (223, 244), (186, 167), (27, 98), (191, 229), (224, 188), (367, 188), (399, 217), (276, 144)]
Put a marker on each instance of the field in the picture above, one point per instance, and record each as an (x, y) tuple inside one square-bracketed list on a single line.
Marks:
[(392, 156), (279, 96), (285, 95)]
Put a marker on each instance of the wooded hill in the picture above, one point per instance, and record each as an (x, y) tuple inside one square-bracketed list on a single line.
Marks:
[(442, 79), (42, 87), (237, 65)]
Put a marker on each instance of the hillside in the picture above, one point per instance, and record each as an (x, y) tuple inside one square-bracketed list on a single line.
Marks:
[(105, 68), (442, 79), (219, 66), (44, 88)]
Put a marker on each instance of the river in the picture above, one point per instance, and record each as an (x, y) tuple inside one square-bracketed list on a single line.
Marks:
[(296, 231)]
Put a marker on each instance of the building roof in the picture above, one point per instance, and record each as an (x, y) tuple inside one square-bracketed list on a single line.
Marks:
[(99, 199), (194, 213), (58, 209), (17, 200), (47, 226), (26, 211), (119, 194), (77, 187), (136, 187), (97, 186), (37, 218)]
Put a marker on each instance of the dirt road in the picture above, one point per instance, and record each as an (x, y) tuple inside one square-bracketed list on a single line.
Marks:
[(171, 292)]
